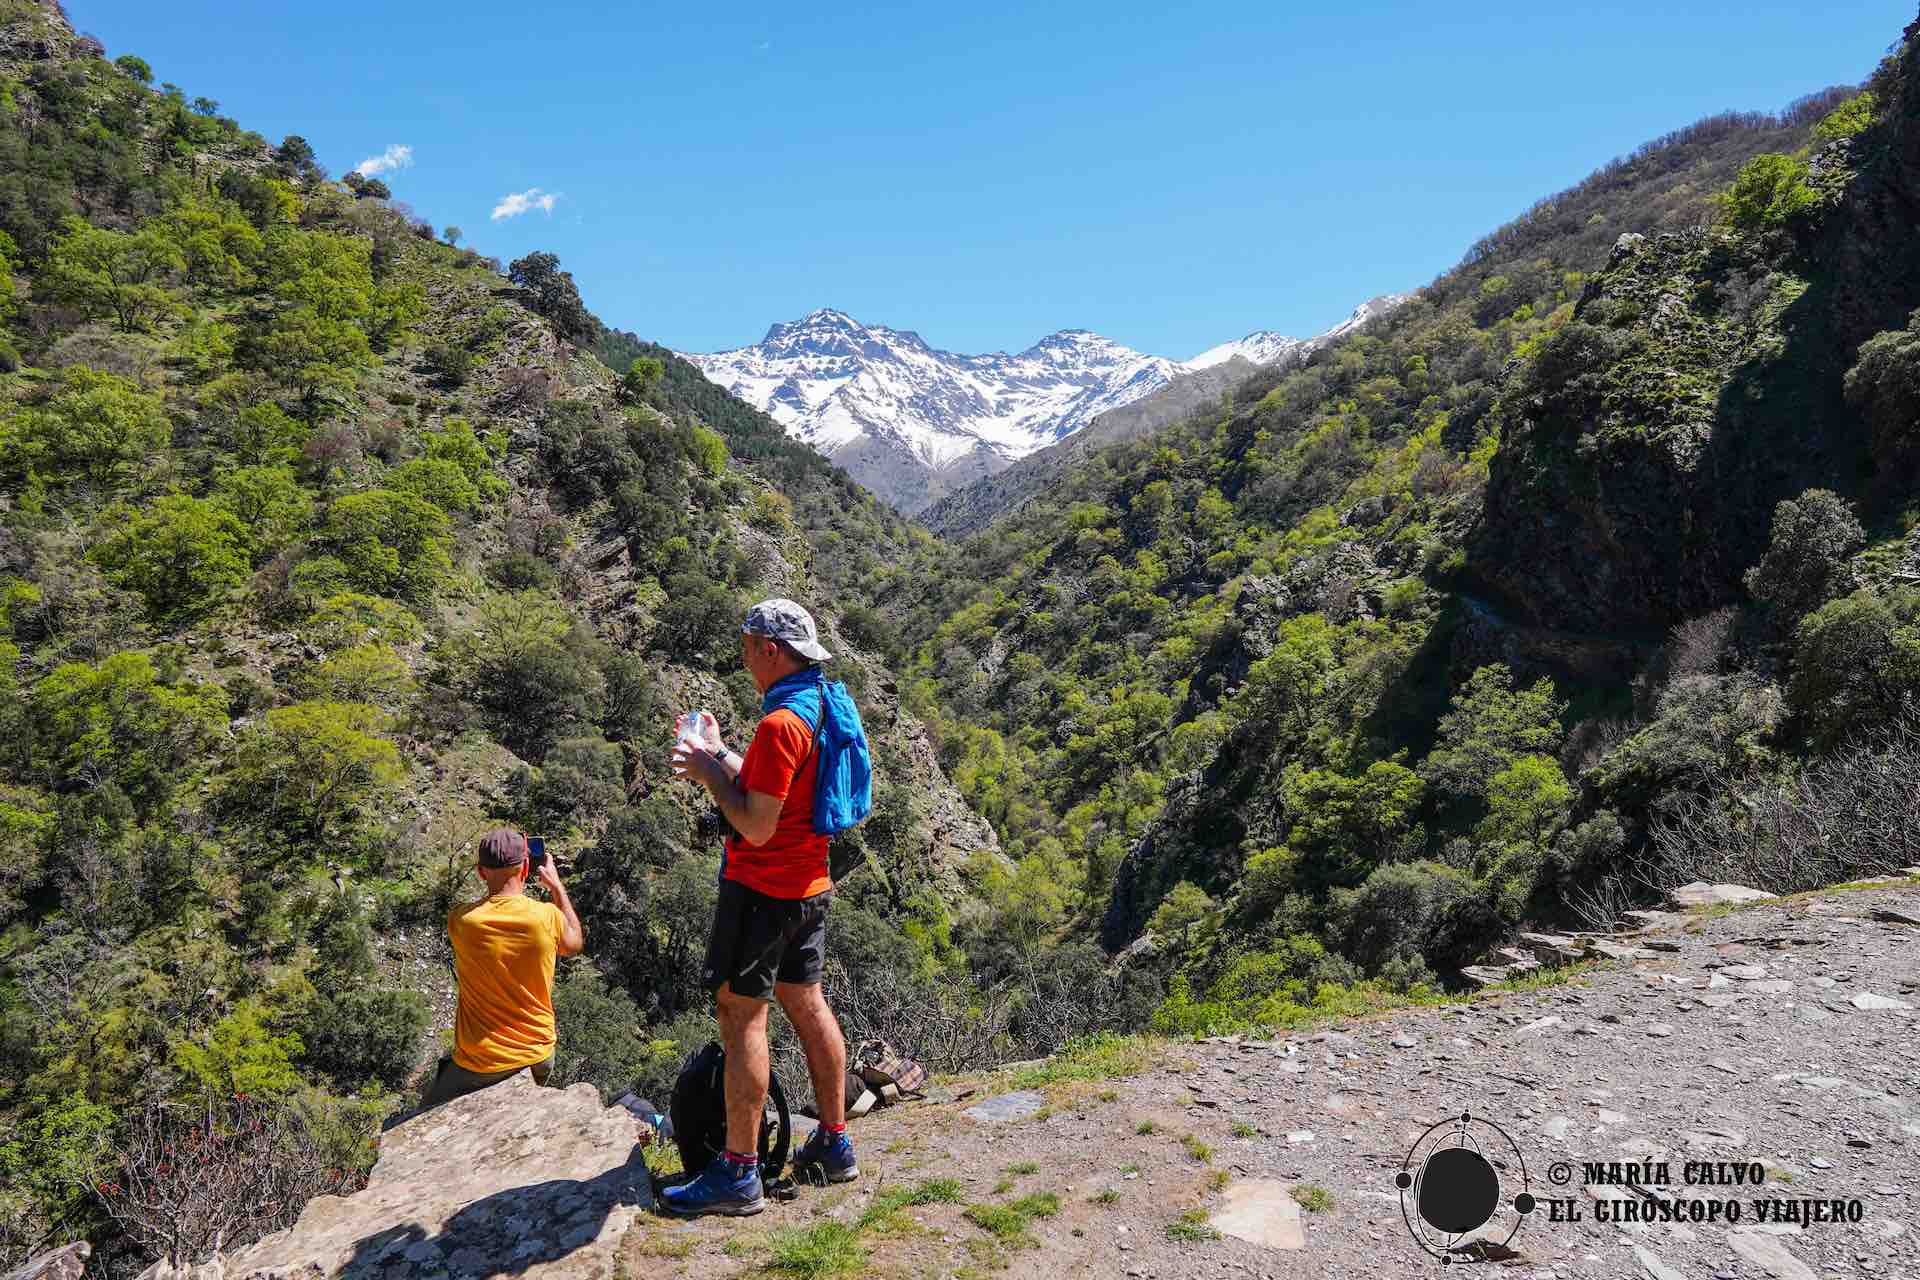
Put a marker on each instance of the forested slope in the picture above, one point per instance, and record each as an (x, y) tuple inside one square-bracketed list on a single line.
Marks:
[(1350, 676), (324, 544)]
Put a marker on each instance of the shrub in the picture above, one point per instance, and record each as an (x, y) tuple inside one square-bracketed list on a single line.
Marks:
[(598, 1028), (1419, 909), (1806, 560), (1856, 663), (241, 1054), (1770, 192), (1884, 384), (449, 363), (579, 775), (1490, 725), (369, 673), (520, 570), (349, 618), (532, 667), (365, 1034)]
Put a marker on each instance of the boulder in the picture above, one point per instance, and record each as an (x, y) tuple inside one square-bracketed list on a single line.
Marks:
[(512, 1180), (68, 1262), (1702, 894), (1261, 1211)]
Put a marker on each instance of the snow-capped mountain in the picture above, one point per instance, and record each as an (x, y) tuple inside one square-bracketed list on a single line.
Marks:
[(912, 422), (1262, 347)]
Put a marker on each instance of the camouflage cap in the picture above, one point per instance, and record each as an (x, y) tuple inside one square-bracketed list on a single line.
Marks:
[(782, 619)]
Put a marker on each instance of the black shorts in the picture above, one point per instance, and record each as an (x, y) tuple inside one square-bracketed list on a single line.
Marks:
[(758, 940)]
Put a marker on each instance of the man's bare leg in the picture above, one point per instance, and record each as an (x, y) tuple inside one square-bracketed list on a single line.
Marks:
[(743, 1034), (825, 1047)]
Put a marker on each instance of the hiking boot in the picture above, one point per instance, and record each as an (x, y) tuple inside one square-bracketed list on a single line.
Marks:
[(720, 1189), (832, 1155)]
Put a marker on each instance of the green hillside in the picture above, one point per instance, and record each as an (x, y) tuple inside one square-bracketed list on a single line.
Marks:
[(323, 544), (1455, 626)]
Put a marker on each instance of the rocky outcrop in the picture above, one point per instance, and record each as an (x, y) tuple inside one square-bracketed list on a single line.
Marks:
[(1699, 382), (69, 1262), (512, 1180)]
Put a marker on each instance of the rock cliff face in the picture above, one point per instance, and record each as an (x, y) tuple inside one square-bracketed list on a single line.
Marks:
[(1699, 382), (512, 1180)]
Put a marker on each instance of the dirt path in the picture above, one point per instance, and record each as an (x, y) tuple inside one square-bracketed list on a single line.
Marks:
[(1741, 1040)]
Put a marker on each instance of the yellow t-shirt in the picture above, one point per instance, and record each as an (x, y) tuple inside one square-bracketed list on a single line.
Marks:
[(503, 952)]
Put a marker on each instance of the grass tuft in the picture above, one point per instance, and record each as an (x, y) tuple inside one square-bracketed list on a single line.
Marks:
[(823, 1251), (1104, 1056), (1313, 1197), (1197, 1149), (1021, 1168), (1109, 1196), (1191, 1228), (1144, 1128), (1008, 1222), (1241, 1129)]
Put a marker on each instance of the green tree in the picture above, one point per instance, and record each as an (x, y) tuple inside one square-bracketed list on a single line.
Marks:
[(268, 502), (180, 555), (313, 769), (135, 66), (1526, 802), (370, 673), (241, 1054), (118, 273), (391, 543), (640, 378), (1340, 825), (97, 425), (348, 619), (120, 722), (554, 295), (315, 354), (1806, 560), (1490, 725), (217, 245), (1771, 192)]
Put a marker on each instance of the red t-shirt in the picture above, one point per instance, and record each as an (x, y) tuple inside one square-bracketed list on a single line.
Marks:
[(780, 762)]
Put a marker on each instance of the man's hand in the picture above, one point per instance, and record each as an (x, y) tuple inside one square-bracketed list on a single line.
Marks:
[(573, 939), (700, 765)]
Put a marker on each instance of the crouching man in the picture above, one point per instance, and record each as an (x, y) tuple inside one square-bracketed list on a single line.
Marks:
[(504, 947), (769, 926)]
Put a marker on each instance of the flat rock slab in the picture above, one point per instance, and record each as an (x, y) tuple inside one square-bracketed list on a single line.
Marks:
[(1261, 1211), (1769, 1253), (1869, 1000), (512, 1180), (1702, 894), (1008, 1106)]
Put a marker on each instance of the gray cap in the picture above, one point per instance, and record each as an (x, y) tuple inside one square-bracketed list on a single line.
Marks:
[(782, 619)]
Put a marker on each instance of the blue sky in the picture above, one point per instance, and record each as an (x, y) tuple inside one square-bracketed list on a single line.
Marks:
[(1170, 176)]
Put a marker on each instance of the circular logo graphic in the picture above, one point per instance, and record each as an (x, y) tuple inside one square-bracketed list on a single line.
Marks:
[(1450, 1190)]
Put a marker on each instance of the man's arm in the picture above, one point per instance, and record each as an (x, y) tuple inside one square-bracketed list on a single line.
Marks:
[(573, 939), (754, 814)]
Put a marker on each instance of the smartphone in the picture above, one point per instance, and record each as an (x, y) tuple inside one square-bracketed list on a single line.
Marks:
[(536, 855)]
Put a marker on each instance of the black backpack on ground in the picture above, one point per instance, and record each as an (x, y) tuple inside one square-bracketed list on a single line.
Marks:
[(699, 1111)]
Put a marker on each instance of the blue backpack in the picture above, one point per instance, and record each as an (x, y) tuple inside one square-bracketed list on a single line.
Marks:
[(843, 782)]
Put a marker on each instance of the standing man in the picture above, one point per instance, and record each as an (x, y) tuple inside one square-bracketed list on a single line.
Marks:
[(769, 925), (504, 948)]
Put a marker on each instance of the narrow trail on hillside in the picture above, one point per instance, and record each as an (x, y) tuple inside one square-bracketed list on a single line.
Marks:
[(1783, 1035)]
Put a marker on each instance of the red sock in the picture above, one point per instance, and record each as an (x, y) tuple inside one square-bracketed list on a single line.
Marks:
[(834, 1130), (742, 1162)]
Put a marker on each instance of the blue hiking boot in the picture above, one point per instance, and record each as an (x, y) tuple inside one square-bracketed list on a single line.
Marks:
[(719, 1189), (833, 1156)]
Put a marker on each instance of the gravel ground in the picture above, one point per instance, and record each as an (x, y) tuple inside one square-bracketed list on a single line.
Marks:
[(1741, 1039)]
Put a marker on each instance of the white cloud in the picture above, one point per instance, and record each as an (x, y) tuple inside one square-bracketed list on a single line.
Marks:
[(396, 156), (519, 202)]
